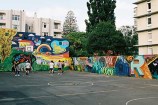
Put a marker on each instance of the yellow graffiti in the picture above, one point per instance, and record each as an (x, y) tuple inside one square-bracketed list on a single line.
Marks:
[(58, 49), (24, 44), (6, 36)]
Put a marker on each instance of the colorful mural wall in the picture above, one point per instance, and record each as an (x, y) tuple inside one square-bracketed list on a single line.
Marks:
[(40, 50), (144, 66), (45, 47)]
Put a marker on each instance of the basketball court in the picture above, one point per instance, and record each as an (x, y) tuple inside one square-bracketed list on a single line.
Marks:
[(76, 88)]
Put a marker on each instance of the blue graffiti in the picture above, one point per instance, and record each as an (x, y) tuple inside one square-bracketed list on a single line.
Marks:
[(122, 67)]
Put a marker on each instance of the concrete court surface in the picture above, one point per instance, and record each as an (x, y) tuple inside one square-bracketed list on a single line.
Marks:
[(76, 88)]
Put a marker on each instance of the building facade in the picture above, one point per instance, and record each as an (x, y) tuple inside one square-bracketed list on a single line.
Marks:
[(41, 26), (146, 21), (12, 19)]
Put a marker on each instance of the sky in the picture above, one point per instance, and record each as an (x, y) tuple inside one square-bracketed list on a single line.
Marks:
[(58, 9)]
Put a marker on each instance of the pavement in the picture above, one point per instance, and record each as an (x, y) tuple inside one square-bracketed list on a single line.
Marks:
[(76, 88)]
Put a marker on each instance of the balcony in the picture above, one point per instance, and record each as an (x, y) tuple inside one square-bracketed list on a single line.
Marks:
[(2, 21), (2, 25), (57, 30), (2, 17)]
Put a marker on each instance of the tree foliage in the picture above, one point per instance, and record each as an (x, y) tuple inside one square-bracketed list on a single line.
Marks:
[(100, 10), (131, 39), (78, 42), (70, 23), (105, 37), (6, 36)]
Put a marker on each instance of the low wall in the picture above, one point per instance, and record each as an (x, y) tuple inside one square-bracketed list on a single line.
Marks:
[(139, 66)]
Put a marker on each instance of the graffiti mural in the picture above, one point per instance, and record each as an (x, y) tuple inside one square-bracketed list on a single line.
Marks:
[(6, 36), (20, 59), (139, 68), (45, 47), (135, 66), (40, 50), (122, 67), (152, 62), (109, 69)]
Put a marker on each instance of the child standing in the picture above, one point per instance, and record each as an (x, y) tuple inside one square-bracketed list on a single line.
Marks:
[(59, 67), (28, 67), (17, 70), (51, 67)]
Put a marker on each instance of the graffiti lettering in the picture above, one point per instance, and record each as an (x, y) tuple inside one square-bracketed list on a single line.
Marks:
[(108, 71)]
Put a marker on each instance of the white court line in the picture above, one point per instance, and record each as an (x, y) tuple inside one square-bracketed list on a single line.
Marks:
[(79, 83), (140, 99), (153, 85), (50, 83)]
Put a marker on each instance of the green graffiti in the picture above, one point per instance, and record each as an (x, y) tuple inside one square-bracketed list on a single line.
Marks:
[(78, 68), (108, 71)]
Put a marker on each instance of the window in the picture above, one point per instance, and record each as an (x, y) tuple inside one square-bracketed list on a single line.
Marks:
[(149, 20), (150, 50), (45, 33), (15, 17), (44, 25), (2, 25), (150, 42), (149, 35), (15, 26), (1, 17), (56, 26), (149, 5)]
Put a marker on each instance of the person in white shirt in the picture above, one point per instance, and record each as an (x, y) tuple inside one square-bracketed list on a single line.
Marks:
[(28, 67), (51, 67)]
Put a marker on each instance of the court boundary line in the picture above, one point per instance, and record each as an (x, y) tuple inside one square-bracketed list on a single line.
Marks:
[(139, 99)]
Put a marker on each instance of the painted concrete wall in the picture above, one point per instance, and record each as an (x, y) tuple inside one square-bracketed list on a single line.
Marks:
[(145, 66), (39, 51)]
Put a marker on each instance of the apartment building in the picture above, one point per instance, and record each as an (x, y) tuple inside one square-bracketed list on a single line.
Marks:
[(12, 19), (146, 21), (41, 26)]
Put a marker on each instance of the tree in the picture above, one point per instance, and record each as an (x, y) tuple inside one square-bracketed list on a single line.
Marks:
[(6, 36), (104, 38), (131, 39), (70, 23), (78, 42), (100, 10)]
